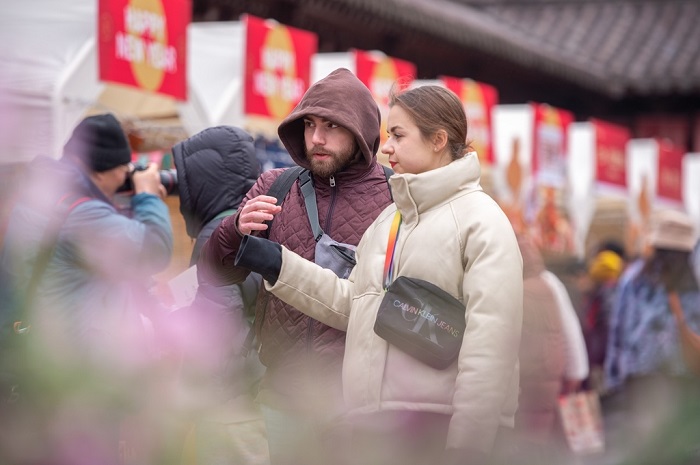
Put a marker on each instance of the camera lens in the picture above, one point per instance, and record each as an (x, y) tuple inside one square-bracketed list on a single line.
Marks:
[(168, 178)]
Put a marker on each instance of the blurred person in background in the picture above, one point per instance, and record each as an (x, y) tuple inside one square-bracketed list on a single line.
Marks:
[(334, 133), (216, 167), (573, 273), (644, 364), (91, 358), (604, 270), (543, 355), (443, 229), (576, 361)]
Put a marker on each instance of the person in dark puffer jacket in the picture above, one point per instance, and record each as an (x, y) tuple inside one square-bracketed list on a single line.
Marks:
[(334, 132), (216, 167)]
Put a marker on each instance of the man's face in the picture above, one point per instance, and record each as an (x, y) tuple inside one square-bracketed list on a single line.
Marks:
[(329, 147), (111, 180)]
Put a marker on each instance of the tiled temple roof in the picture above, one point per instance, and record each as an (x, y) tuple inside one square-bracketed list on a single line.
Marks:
[(615, 47)]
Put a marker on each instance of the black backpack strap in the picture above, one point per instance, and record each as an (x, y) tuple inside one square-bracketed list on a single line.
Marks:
[(281, 186), (307, 189), (387, 173), (279, 189)]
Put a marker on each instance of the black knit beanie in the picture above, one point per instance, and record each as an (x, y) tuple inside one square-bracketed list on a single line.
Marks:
[(99, 141)]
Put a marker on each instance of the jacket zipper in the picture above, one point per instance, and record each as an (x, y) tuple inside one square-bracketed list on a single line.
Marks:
[(331, 208)]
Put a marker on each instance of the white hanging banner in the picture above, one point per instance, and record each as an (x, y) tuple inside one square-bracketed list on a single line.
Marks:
[(691, 186)]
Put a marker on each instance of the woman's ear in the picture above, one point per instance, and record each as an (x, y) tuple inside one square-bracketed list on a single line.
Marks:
[(440, 140)]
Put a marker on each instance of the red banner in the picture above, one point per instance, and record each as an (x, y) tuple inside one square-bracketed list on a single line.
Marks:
[(277, 67), (550, 144), (379, 72), (610, 148), (478, 100), (143, 44), (670, 179)]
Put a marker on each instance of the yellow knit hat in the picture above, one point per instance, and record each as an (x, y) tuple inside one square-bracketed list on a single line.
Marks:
[(605, 266)]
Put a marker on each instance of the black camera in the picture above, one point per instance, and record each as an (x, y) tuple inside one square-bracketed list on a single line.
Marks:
[(168, 178)]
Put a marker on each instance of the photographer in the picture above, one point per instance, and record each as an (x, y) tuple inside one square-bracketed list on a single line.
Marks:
[(75, 273)]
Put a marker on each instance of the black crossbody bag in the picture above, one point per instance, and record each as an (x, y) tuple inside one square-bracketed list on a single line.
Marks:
[(417, 316)]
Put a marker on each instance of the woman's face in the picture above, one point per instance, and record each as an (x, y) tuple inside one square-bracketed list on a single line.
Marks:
[(408, 152)]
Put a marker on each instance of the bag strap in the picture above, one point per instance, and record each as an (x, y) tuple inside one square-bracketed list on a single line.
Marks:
[(279, 189), (307, 189), (47, 245), (281, 186), (390, 249)]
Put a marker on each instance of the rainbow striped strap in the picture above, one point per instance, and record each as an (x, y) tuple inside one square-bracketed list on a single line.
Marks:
[(390, 249)]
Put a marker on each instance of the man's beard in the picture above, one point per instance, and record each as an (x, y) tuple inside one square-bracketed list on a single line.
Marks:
[(331, 166)]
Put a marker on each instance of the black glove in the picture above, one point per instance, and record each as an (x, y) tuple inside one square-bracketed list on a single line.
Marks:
[(261, 256)]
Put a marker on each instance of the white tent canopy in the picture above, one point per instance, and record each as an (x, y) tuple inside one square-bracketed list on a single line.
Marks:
[(215, 75), (48, 74), (49, 77)]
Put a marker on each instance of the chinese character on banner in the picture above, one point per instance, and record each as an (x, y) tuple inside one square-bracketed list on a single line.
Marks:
[(610, 148), (379, 73), (670, 180), (478, 100), (277, 67), (143, 44)]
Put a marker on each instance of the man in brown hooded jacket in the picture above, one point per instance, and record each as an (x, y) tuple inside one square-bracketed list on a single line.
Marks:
[(334, 132)]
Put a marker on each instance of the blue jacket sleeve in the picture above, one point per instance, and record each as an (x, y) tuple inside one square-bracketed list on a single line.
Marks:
[(115, 245), (153, 213)]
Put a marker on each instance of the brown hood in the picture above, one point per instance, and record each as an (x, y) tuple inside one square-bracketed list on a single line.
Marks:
[(339, 97)]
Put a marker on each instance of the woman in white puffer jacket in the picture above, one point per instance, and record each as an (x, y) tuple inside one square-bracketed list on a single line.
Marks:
[(451, 234)]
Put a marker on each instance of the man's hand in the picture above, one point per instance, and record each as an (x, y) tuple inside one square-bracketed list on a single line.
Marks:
[(255, 212), (148, 181)]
